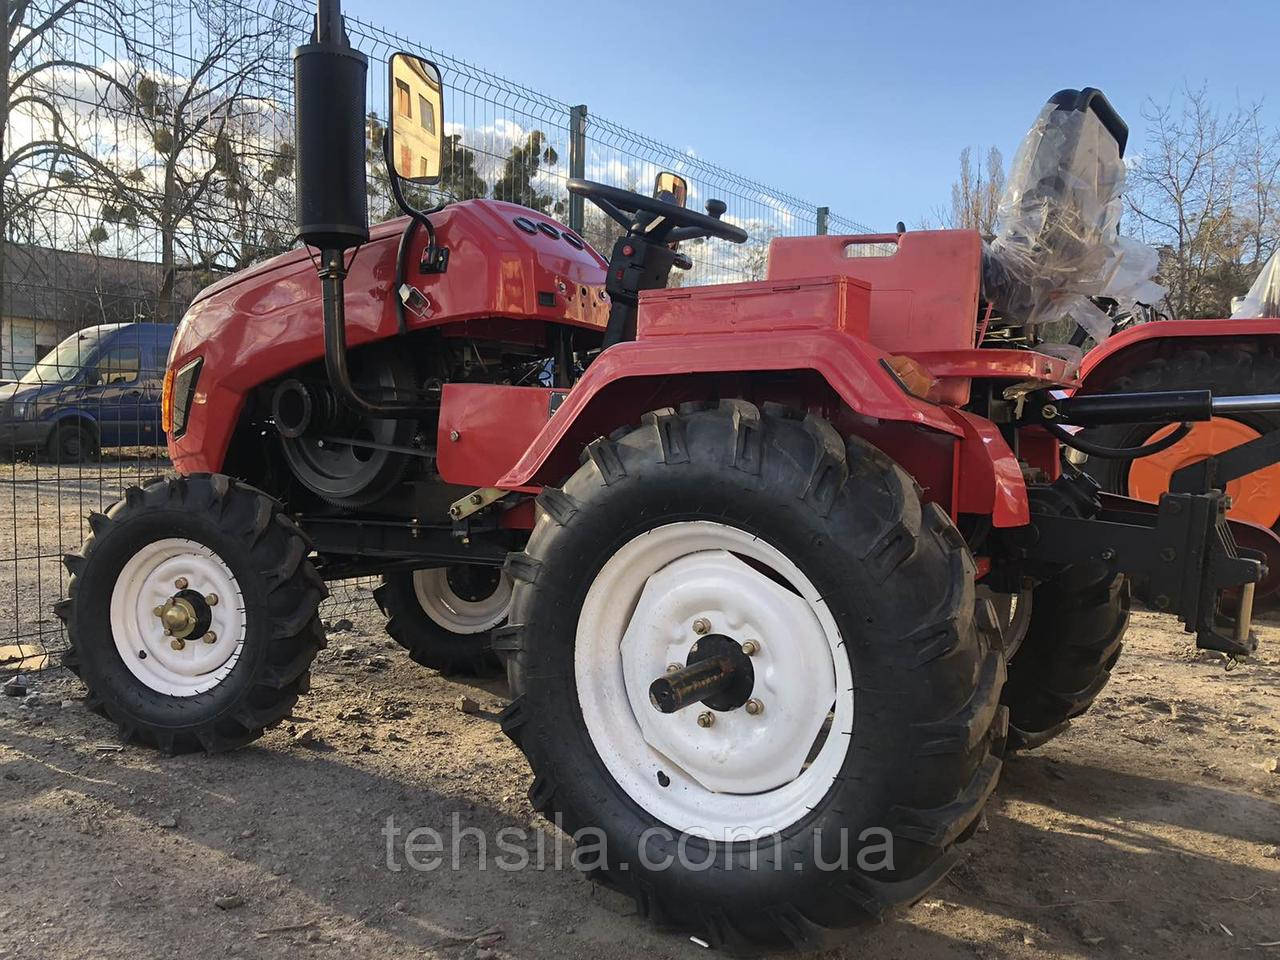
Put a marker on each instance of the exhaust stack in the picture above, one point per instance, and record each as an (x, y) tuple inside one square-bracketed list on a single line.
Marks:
[(329, 132)]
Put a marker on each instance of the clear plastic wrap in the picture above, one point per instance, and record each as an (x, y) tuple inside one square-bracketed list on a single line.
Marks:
[(1057, 242), (1263, 298)]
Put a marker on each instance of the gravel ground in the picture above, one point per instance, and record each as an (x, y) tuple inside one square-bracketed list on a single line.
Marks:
[(1150, 829)]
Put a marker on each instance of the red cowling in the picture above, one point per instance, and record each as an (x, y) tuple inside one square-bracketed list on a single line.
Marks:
[(502, 283)]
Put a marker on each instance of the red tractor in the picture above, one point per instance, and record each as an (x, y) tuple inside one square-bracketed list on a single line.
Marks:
[(778, 570)]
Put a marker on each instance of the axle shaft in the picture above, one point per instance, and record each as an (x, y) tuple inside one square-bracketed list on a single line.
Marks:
[(692, 684)]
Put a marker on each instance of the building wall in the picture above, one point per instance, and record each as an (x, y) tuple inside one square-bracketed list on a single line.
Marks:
[(23, 341)]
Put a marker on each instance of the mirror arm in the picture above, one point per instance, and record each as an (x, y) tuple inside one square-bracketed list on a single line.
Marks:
[(434, 259)]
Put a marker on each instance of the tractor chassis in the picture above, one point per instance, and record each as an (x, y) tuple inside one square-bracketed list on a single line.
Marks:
[(354, 547)]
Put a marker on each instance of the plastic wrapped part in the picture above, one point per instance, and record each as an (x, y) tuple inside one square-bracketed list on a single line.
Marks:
[(1263, 298), (1057, 240)]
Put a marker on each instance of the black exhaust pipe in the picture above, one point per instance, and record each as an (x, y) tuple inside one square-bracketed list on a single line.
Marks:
[(333, 209)]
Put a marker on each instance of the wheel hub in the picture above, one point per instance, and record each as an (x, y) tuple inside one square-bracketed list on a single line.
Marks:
[(737, 752), (183, 641), (464, 598), (732, 774)]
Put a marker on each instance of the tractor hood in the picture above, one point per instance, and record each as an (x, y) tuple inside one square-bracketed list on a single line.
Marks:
[(285, 262)]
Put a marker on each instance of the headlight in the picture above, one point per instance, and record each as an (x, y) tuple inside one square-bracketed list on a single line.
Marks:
[(21, 408), (179, 391)]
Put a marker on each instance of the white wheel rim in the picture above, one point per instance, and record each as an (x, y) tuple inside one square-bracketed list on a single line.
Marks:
[(745, 776), (146, 582), (448, 610)]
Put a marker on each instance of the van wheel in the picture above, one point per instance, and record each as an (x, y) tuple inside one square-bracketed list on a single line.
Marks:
[(192, 613), (72, 443), (857, 700), (444, 616)]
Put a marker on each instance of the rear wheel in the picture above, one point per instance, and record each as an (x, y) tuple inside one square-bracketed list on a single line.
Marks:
[(855, 747), (444, 616), (1078, 620), (192, 613)]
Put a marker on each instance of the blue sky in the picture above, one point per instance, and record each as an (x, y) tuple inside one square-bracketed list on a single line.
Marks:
[(863, 106)]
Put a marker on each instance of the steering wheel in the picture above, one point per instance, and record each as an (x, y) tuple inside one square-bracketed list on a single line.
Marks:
[(668, 223)]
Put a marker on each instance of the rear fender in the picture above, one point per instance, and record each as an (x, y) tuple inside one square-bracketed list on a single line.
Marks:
[(1131, 348), (637, 376)]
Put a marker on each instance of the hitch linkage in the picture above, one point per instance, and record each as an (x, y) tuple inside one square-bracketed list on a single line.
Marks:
[(1178, 559)]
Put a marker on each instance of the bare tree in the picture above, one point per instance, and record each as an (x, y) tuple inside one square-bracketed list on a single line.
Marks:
[(1190, 196), (1259, 157), (204, 138), (975, 195), (45, 60)]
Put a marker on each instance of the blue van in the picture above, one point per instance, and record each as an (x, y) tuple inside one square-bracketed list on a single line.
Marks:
[(100, 387)]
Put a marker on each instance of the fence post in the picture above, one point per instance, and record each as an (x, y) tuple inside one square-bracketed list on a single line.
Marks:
[(823, 214), (577, 160)]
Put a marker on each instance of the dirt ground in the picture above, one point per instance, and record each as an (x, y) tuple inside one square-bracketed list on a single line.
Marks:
[(1149, 830)]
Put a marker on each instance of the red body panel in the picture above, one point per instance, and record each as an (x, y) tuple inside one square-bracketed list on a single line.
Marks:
[(485, 428), (263, 322), (816, 335), (1130, 348), (829, 303), (924, 297), (988, 476)]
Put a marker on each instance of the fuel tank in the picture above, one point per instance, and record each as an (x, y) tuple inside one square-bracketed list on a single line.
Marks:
[(510, 271)]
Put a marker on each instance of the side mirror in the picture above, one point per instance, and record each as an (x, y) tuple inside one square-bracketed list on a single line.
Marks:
[(673, 185), (415, 136)]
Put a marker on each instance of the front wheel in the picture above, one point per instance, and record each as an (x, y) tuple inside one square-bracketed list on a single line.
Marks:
[(192, 613), (853, 740)]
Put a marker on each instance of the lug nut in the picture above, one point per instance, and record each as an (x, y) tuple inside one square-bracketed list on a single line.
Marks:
[(177, 643), (211, 599), (751, 648), (181, 583), (701, 626), (755, 707), (706, 719), (210, 637), (158, 611)]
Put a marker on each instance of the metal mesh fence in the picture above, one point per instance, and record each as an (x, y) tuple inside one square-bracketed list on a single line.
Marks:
[(147, 153)]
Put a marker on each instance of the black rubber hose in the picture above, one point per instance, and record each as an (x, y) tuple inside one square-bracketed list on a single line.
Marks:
[(1117, 453)]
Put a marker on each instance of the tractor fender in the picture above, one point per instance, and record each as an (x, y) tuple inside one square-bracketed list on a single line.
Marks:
[(1131, 348), (634, 377)]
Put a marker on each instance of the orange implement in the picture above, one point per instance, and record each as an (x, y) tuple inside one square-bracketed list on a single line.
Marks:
[(1255, 498)]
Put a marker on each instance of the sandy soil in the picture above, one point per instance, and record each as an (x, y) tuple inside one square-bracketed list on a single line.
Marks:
[(1149, 830)]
